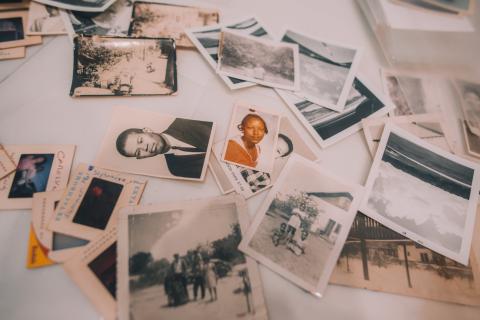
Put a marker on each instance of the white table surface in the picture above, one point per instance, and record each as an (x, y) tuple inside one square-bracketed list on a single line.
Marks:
[(35, 108)]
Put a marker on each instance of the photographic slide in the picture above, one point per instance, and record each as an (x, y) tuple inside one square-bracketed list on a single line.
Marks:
[(13, 28)]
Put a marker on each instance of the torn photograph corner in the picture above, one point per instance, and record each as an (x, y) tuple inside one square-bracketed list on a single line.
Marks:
[(301, 226), (13, 30), (119, 66), (423, 192), (44, 20), (79, 5), (180, 260)]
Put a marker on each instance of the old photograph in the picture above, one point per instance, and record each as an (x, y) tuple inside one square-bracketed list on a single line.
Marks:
[(13, 28), (112, 22), (377, 258), (80, 5), (472, 140), (38, 168), (7, 165), (106, 66), (327, 70), (423, 192), (149, 143), (327, 126), (151, 19), (258, 60), (430, 127), (249, 182), (94, 271), (92, 200), (203, 276), (469, 93), (206, 40), (44, 20), (301, 226), (252, 138)]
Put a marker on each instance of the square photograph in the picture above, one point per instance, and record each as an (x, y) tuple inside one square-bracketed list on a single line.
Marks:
[(267, 62), (327, 70), (301, 226), (423, 192), (116, 66), (152, 144), (80, 5), (204, 276), (150, 19), (44, 20)]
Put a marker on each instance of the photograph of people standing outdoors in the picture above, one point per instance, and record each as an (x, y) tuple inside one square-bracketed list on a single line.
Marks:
[(203, 275)]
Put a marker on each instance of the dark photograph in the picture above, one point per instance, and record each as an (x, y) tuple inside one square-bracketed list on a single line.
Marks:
[(98, 203), (11, 29), (123, 66), (105, 268), (62, 241), (31, 175)]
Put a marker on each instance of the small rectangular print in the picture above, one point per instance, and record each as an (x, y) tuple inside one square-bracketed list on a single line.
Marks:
[(44, 20)]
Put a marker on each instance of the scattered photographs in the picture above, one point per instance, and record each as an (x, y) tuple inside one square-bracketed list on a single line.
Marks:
[(92, 200), (258, 60), (377, 258), (44, 20), (206, 40), (151, 19), (79, 5), (12, 53), (423, 192), (13, 26), (469, 93), (252, 138), (123, 66), (429, 127), (249, 182), (204, 274), (157, 145), (327, 126), (94, 271), (7, 165), (14, 4), (113, 22), (38, 168), (302, 225), (472, 140), (327, 70)]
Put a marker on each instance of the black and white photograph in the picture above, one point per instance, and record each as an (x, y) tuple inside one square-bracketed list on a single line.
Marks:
[(327, 126), (469, 93), (249, 182), (472, 141), (301, 226), (13, 29), (327, 70), (423, 192), (203, 276), (377, 258), (259, 60), (149, 143), (80, 5), (112, 22), (206, 40), (116, 66), (44, 20), (153, 19)]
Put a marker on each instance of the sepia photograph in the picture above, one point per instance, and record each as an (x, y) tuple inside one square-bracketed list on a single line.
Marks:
[(258, 60), (7, 165), (94, 271), (153, 144), (423, 192), (116, 66), (13, 28), (92, 200), (112, 22), (430, 127), (252, 138), (472, 140), (327, 126), (150, 19), (79, 5), (203, 276), (38, 168), (327, 70), (301, 226), (469, 94), (44, 20), (249, 182), (207, 39), (377, 258)]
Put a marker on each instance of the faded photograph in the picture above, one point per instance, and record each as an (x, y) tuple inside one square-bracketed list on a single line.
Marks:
[(327, 70), (112, 22), (472, 140), (31, 175), (470, 101), (44, 19), (259, 60), (11, 29), (407, 94), (168, 20), (377, 258), (121, 66)]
